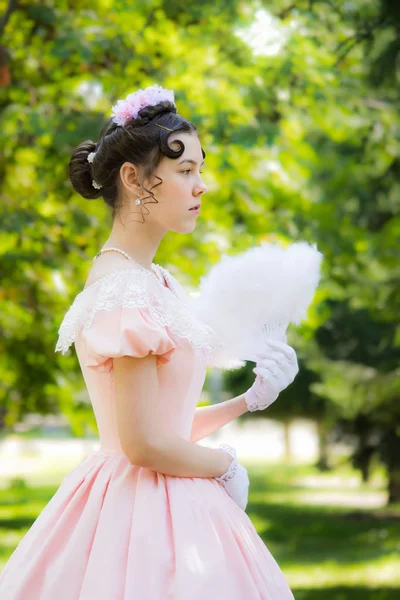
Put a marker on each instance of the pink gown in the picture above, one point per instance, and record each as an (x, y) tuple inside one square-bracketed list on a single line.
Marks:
[(117, 531)]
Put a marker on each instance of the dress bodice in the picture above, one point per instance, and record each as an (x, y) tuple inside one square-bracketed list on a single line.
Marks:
[(131, 312)]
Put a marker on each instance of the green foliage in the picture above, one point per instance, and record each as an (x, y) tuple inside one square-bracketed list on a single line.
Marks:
[(301, 142)]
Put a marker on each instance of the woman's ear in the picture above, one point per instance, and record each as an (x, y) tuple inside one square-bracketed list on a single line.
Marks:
[(129, 174)]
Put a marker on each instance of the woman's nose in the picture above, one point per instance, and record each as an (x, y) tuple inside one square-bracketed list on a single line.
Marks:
[(202, 188)]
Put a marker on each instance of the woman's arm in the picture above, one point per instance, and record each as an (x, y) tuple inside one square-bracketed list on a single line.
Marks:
[(208, 419), (144, 437)]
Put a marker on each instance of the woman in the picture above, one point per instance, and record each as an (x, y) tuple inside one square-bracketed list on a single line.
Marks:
[(152, 515)]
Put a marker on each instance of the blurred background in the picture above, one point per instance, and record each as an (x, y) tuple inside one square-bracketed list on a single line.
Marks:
[(297, 108)]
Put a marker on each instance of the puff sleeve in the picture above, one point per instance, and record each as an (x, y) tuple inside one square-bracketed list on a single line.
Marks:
[(124, 316), (125, 332)]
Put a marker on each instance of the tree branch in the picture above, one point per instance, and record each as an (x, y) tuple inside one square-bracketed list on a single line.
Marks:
[(12, 5)]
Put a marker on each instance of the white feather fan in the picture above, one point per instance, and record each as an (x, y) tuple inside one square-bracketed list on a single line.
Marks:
[(255, 295)]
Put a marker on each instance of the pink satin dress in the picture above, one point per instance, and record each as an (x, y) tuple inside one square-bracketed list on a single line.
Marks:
[(117, 531)]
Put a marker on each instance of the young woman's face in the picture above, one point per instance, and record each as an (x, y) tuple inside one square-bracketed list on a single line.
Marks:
[(182, 186)]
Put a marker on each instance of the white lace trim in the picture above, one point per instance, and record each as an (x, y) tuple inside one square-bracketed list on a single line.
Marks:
[(131, 288)]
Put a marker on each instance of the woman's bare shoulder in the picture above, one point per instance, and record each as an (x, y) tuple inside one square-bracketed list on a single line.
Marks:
[(105, 264)]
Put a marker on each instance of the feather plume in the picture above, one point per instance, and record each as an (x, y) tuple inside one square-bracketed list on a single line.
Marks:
[(254, 296)]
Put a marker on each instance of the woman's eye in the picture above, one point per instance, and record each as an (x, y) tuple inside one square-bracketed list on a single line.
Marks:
[(189, 170)]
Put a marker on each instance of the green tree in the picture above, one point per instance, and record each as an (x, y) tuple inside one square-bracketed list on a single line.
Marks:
[(301, 142)]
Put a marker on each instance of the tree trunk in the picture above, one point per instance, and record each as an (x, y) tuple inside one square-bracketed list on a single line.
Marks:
[(286, 437), (365, 463), (2, 419), (323, 462), (389, 450), (394, 484)]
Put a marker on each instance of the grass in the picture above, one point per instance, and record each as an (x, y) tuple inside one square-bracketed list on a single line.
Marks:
[(331, 535)]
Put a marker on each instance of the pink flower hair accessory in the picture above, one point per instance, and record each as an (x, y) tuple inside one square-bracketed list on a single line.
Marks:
[(128, 109)]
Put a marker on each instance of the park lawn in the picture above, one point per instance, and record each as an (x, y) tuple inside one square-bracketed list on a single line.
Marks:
[(331, 535)]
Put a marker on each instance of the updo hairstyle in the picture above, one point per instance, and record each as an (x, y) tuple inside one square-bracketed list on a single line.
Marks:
[(139, 141)]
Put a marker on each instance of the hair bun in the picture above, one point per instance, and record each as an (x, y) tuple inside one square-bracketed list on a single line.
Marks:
[(148, 113), (80, 171)]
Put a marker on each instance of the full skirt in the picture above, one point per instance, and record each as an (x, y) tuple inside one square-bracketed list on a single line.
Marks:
[(116, 531)]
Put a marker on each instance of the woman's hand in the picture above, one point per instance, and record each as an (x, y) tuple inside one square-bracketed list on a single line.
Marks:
[(236, 480), (276, 368), (238, 486)]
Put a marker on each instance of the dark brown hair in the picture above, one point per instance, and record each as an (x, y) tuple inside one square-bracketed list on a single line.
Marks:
[(139, 141)]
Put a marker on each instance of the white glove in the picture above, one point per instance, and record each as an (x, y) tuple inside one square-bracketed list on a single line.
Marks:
[(235, 480), (276, 368)]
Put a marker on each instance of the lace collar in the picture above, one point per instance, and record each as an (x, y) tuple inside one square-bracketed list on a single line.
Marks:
[(138, 288)]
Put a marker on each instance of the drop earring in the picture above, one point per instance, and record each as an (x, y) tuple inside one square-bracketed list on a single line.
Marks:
[(138, 201)]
